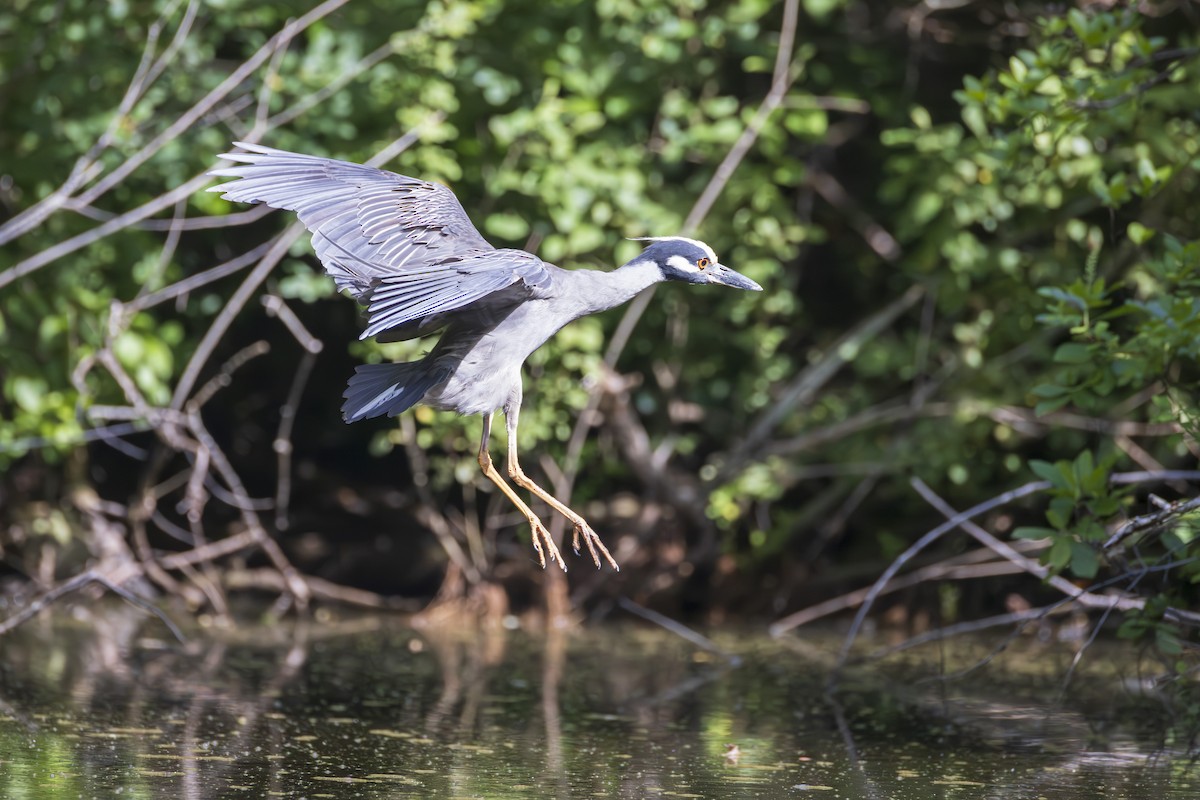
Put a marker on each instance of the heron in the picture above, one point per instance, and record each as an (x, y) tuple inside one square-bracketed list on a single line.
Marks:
[(406, 250)]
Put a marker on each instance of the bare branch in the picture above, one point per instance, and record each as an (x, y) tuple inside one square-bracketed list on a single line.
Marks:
[(1150, 522)]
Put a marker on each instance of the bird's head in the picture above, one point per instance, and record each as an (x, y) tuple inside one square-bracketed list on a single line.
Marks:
[(689, 260)]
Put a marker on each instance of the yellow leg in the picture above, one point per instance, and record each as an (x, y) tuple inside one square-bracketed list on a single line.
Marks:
[(540, 534), (590, 537)]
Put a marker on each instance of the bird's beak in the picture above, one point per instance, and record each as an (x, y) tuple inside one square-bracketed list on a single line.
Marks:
[(719, 273)]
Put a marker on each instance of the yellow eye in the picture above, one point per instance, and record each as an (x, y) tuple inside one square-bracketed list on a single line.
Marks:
[(702, 263)]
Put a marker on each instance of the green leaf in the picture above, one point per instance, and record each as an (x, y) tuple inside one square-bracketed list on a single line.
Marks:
[(1033, 532), (1073, 353), (1047, 472), (1139, 233), (1166, 641), (1059, 554), (1060, 512), (1084, 560), (1047, 406), (1049, 390), (1132, 628)]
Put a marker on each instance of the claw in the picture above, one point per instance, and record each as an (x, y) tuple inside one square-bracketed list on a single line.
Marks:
[(540, 535), (593, 542)]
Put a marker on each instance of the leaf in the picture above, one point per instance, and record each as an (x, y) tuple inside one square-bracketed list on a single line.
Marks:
[(1047, 472), (1166, 641), (1059, 513), (1081, 468), (1063, 297), (1049, 390), (1033, 532), (1132, 628), (1047, 406), (1073, 353), (1059, 554), (1139, 233), (1085, 563), (27, 393)]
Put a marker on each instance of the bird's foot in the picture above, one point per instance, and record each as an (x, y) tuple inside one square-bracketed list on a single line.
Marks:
[(540, 536), (592, 540)]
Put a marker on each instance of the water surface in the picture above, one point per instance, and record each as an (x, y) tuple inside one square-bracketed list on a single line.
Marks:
[(102, 703)]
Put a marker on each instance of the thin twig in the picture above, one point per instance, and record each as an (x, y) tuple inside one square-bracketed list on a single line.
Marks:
[(283, 439), (209, 552), (221, 221), (193, 282), (1149, 522), (89, 237), (1072, 592), (86, 166), (431, 518), (297, 588), (971, 626), (276, 307)]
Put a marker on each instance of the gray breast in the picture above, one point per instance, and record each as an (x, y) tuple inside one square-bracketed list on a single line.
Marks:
[(485, 365)]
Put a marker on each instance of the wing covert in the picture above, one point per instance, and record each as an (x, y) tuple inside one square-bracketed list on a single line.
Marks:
[(400, 298)]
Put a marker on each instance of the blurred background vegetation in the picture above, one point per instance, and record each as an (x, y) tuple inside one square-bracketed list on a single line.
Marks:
[(975, 223)]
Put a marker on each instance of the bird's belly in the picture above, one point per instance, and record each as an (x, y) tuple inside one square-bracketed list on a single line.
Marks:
[(475, 388), (485, 373)]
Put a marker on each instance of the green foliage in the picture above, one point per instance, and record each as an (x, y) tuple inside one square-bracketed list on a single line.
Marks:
[(1095, 115), (1149, 625), (1081, 499)]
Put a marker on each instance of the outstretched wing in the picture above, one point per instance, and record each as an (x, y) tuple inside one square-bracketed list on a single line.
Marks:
[(403, 246)]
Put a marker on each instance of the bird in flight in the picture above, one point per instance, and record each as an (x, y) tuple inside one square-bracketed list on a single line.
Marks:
[(406, 250)]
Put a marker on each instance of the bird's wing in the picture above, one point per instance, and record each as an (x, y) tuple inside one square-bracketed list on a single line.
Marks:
[(374, 229), (396, 300)]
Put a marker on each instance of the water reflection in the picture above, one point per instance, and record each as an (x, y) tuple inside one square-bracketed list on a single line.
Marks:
[(97, 703)]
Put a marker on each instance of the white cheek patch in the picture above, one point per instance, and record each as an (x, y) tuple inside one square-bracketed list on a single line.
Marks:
[(682, 264)]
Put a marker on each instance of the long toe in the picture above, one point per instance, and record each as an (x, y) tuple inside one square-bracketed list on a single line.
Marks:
[(537, 545), (593, 542), (540, 533)]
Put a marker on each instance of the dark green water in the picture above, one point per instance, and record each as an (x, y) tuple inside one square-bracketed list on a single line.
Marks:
[(100, 704)]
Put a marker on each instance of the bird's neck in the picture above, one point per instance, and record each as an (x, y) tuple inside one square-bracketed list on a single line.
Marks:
[(605, 290)]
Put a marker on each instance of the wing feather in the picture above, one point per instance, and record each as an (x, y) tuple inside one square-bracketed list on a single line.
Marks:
[(404, 297), (403, 247)]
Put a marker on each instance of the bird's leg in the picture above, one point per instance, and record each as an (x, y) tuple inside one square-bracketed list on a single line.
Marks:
[(540, 534), (590, 537)]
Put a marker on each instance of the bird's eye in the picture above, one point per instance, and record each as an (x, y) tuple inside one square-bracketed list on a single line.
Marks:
[(702, 263)]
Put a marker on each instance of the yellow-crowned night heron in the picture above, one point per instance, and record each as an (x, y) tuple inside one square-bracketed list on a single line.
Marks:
[(406, 250)]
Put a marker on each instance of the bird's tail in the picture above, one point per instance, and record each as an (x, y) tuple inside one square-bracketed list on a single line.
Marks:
[(378, 389)]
